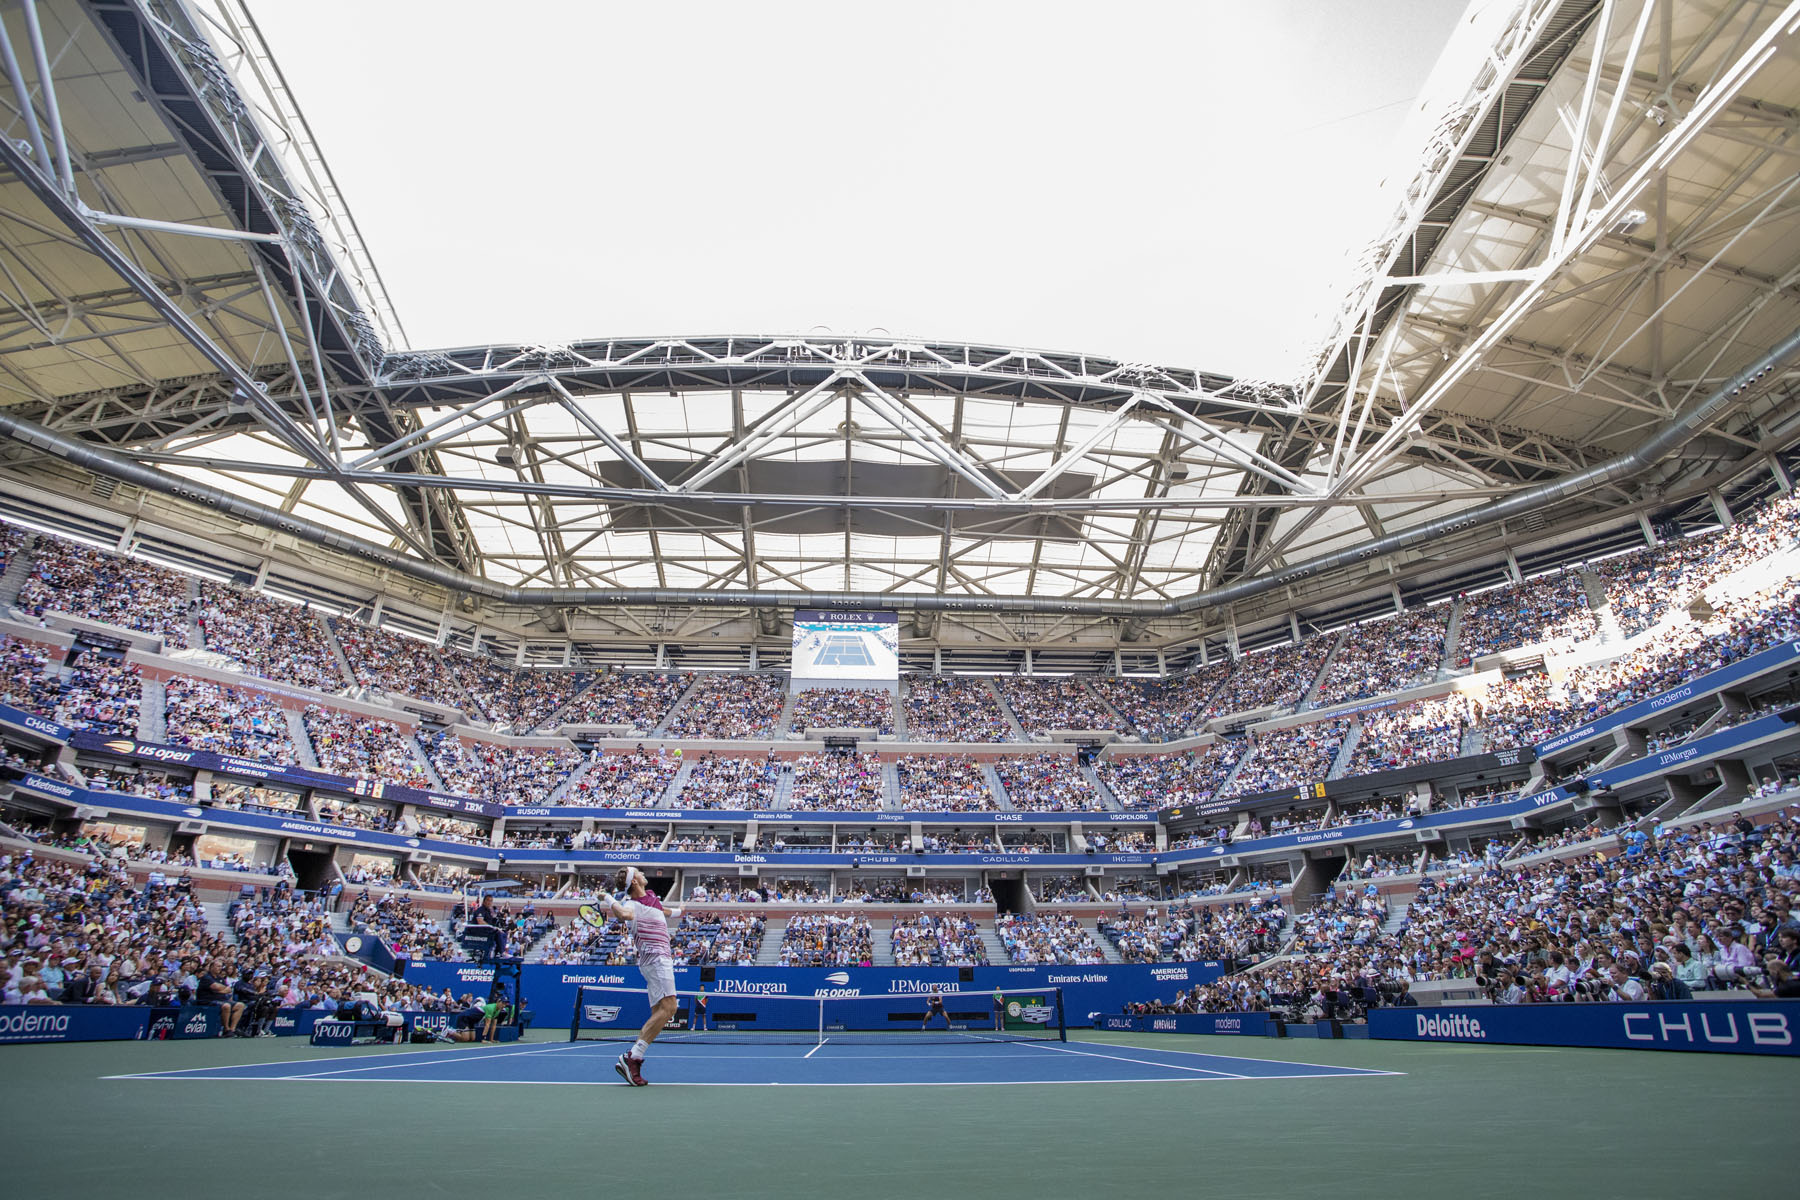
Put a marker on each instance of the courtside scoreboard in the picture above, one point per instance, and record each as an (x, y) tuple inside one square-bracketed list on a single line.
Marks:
[(862, 646)]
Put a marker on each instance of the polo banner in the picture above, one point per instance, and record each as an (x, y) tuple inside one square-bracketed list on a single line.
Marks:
[(71, 1023), (1713, 1026)]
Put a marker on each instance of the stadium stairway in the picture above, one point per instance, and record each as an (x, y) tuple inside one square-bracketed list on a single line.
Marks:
[(784, 724), (678, 780), (1100, 789), (571, 779), (769, 953), (303, 747), (990, 941), (890, 786), (218, 920), (1341, 763), (784, 787), (554, 717), (1012, 718), (1224, 788), (1001, 799), (1312, 689), (1600, 604), (1452, 635), (1118, 718), (881, 943), (425, 763), (680, 703), (18, 569), (900, 693), (337, 650), (151, 720), (1396, 909), (195, 638)]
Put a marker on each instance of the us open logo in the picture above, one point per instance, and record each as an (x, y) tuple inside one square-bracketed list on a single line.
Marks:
[(838, 978)]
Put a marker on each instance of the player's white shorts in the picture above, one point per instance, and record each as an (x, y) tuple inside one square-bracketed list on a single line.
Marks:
[(659, 979)]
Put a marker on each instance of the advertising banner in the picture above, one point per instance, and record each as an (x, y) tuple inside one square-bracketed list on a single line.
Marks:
[(71, 1023), (1713, 1026), (1643, 710)]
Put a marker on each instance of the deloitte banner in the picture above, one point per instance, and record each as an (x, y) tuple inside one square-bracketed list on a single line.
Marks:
[(1717, 1026), (71, 1023), (1089, 992)]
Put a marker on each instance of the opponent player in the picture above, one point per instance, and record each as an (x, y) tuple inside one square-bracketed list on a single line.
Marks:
[(934, 1007), (650, 926)]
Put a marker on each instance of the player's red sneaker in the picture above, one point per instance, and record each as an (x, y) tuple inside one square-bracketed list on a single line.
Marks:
[(627, 1067)]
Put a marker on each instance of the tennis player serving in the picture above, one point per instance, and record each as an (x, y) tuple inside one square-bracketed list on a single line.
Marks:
[(650, 926)]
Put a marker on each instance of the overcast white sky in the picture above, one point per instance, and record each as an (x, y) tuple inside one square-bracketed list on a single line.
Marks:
[(1177, 183)]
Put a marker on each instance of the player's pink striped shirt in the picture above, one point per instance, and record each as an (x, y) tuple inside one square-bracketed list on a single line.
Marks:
[(650, 925)]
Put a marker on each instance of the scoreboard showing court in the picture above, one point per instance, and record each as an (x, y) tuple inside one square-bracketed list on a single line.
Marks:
[(860, 646)]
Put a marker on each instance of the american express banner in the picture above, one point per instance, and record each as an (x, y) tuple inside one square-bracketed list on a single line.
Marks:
[(1714, 1026), (1643, 710)]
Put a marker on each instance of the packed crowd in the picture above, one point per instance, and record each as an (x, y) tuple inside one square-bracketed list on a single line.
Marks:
[(501, 773), (717, 938), (844, 708), (400, 664), (1704, 906), (1386, 656), (127, 592), (1277, 677), (836, 780), (1549, 608), (942, 783), (1162, 710), (1150, 781), (100, 692), (226, 720), (268, 637), (347, 744), (1233, 934), (731, 782), (938, 941), (827, 940), (1285, 758), (1410, 734), (1054, 938), (946, 708), (636, 778), (729, 706), (1046, 783), (638, 699), (1042, 703)]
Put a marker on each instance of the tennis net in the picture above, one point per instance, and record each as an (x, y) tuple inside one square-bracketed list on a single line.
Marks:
[(616, 1014)]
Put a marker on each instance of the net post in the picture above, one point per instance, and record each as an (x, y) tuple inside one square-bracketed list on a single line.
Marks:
[(575, 1017), (821, 1001), (1062, 1024)]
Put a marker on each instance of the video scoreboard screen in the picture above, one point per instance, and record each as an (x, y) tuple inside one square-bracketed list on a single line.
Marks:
[(846, 645)]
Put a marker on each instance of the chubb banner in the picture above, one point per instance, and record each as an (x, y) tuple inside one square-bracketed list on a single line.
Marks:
[(1714, 1026)]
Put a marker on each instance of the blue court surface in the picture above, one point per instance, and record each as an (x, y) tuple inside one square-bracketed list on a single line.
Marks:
[(844, 650), (982, 1064)]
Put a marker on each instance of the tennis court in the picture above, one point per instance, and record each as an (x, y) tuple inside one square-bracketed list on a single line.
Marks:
[(978, 1063), (1348, 1118), (844, 650)]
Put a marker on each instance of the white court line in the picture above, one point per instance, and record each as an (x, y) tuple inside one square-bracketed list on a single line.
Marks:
[(750, 1084), (815, 1049), (1142, 1062), (408, 1059), (1286, 1062)]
